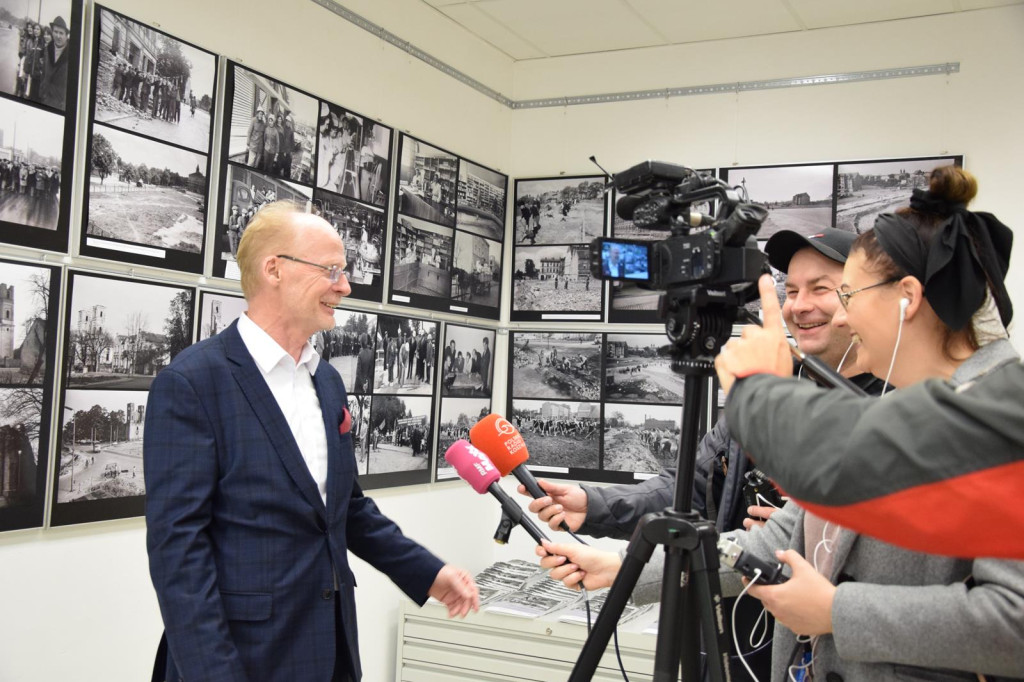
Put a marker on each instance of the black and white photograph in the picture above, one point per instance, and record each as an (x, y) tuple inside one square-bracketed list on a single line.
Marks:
[(559, 210), (350, 348), (354, 156), (555, 365), (481, 201), (359, 407), (798, 198), (407, 357), (120, 332), (145, 198), (150, 83), (31, 149), (22, 474), (217, 311), (866, 189), (26, 330), (640, 438), (243, 192), (271, 127), (422, 260), (362, 228), (427, 179), (400, 433), (36, 49), (101, 445), (638, 368), (559, 434), (467, 365), (554, 279), (476, 272), (630, 303), (458, 415)]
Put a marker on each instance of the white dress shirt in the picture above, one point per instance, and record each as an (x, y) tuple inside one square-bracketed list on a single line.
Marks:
[(292, 385)]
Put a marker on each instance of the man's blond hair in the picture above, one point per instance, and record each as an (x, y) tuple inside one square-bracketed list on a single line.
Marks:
[(267, 234)]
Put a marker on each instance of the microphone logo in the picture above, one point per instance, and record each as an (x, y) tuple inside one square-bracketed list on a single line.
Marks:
[(504, 427)]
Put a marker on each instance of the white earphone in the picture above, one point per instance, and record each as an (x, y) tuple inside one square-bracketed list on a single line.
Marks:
[(904, 304)]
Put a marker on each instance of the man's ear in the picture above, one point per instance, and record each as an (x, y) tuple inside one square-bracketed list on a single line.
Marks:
[(271, 271)]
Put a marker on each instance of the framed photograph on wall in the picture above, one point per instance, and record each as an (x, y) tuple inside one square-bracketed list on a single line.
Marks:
[(217, 311), (29, 299), (864, 189), (555, 220), (152, 101), (40, 45), (798, 197), (118, 334), (446, 244), (640, 438)]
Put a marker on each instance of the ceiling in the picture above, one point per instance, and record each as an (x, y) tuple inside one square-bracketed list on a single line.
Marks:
[(540, 29)]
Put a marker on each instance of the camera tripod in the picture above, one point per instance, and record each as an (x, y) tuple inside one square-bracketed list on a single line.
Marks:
[(691, 596)]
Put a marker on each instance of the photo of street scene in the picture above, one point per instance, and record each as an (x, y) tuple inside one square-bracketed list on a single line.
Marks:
[(422, 258), (640, 438), (271, 127), (349, 348), (406, 354), (798, 198), (559, 433), (637, 368), (120, 333), (101, 445), (21, 416), (559, 210), (554, 278), (31, 149), (24, 323), (218, 311), (359, 408), (476, 275), (467, 365), (361, 227), (481, 204), (458, 415), (354, 157), (400, 433), (34, 50), (149, 83), (144, 192), (427, 182), (556, 365), (865, 190)]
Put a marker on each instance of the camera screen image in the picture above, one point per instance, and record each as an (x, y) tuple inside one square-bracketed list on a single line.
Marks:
[(624, 260)]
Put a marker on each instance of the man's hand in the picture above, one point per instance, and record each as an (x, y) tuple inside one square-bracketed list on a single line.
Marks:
[(756, 516), (804, 602), (573, 563), (456, 589), (761, 350), (563, 503)]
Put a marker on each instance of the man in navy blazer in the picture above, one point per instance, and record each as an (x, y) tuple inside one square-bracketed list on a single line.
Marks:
[(252, 499)]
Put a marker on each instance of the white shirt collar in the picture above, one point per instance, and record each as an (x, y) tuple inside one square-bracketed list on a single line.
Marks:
[(267, 352)]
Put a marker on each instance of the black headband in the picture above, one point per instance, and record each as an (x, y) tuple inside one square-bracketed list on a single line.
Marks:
[(954, 268)]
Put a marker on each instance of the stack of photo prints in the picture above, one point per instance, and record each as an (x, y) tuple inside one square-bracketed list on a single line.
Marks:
[(449, 227)]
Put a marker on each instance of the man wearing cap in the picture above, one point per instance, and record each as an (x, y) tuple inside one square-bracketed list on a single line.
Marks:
[(54, 84)]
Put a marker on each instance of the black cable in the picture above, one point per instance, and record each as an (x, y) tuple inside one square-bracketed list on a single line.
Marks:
[(622, 667), (577, 538)]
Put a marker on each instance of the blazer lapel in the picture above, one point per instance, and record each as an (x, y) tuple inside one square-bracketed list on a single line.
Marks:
[(269, 414)]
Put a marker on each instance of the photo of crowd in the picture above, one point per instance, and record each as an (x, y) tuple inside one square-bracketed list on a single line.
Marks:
[(559, 210), (563, 434), (640, 438), (400, 434), (34, 50), (31, 149), (354, 155), (555, 365), (406, 356), (350, 348), (150, 83)]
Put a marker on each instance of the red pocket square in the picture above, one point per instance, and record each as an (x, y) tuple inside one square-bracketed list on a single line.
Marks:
[(346, 422)]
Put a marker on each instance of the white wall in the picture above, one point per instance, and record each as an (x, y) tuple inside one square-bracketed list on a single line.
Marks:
[(77, 602)]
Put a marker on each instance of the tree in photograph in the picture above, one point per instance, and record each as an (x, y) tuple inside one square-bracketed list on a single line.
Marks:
[(134, 339), (531, 269), (88, 346), (387, 410), (178, 325), (104, 159), (171, 63), (22, 407)]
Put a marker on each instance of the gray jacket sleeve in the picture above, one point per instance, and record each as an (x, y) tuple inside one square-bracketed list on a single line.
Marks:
[(615, 510)]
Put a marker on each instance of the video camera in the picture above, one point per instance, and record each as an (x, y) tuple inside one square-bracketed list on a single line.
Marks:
[(708, 263)]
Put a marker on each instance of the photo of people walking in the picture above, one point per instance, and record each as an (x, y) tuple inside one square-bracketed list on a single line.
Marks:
[(31, 149)]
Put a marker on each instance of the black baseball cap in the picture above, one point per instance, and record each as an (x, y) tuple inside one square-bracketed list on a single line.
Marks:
[(831, 243)]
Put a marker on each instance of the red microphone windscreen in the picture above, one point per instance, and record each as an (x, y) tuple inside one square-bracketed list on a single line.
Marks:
[(472, 465), (502, 442)]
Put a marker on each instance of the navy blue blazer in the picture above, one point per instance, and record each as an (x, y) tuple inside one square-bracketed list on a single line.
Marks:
[(243, 553)]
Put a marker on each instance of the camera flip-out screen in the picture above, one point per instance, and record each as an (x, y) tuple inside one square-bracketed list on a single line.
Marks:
[(625, 260)]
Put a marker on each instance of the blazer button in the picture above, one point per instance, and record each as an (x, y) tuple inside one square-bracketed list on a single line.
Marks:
[(328, 594)]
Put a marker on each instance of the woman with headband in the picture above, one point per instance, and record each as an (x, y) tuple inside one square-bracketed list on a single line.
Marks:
[(867, 610)]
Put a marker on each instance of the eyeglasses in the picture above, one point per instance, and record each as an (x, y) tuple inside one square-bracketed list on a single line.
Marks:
[(334, 273), (844, 296)]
